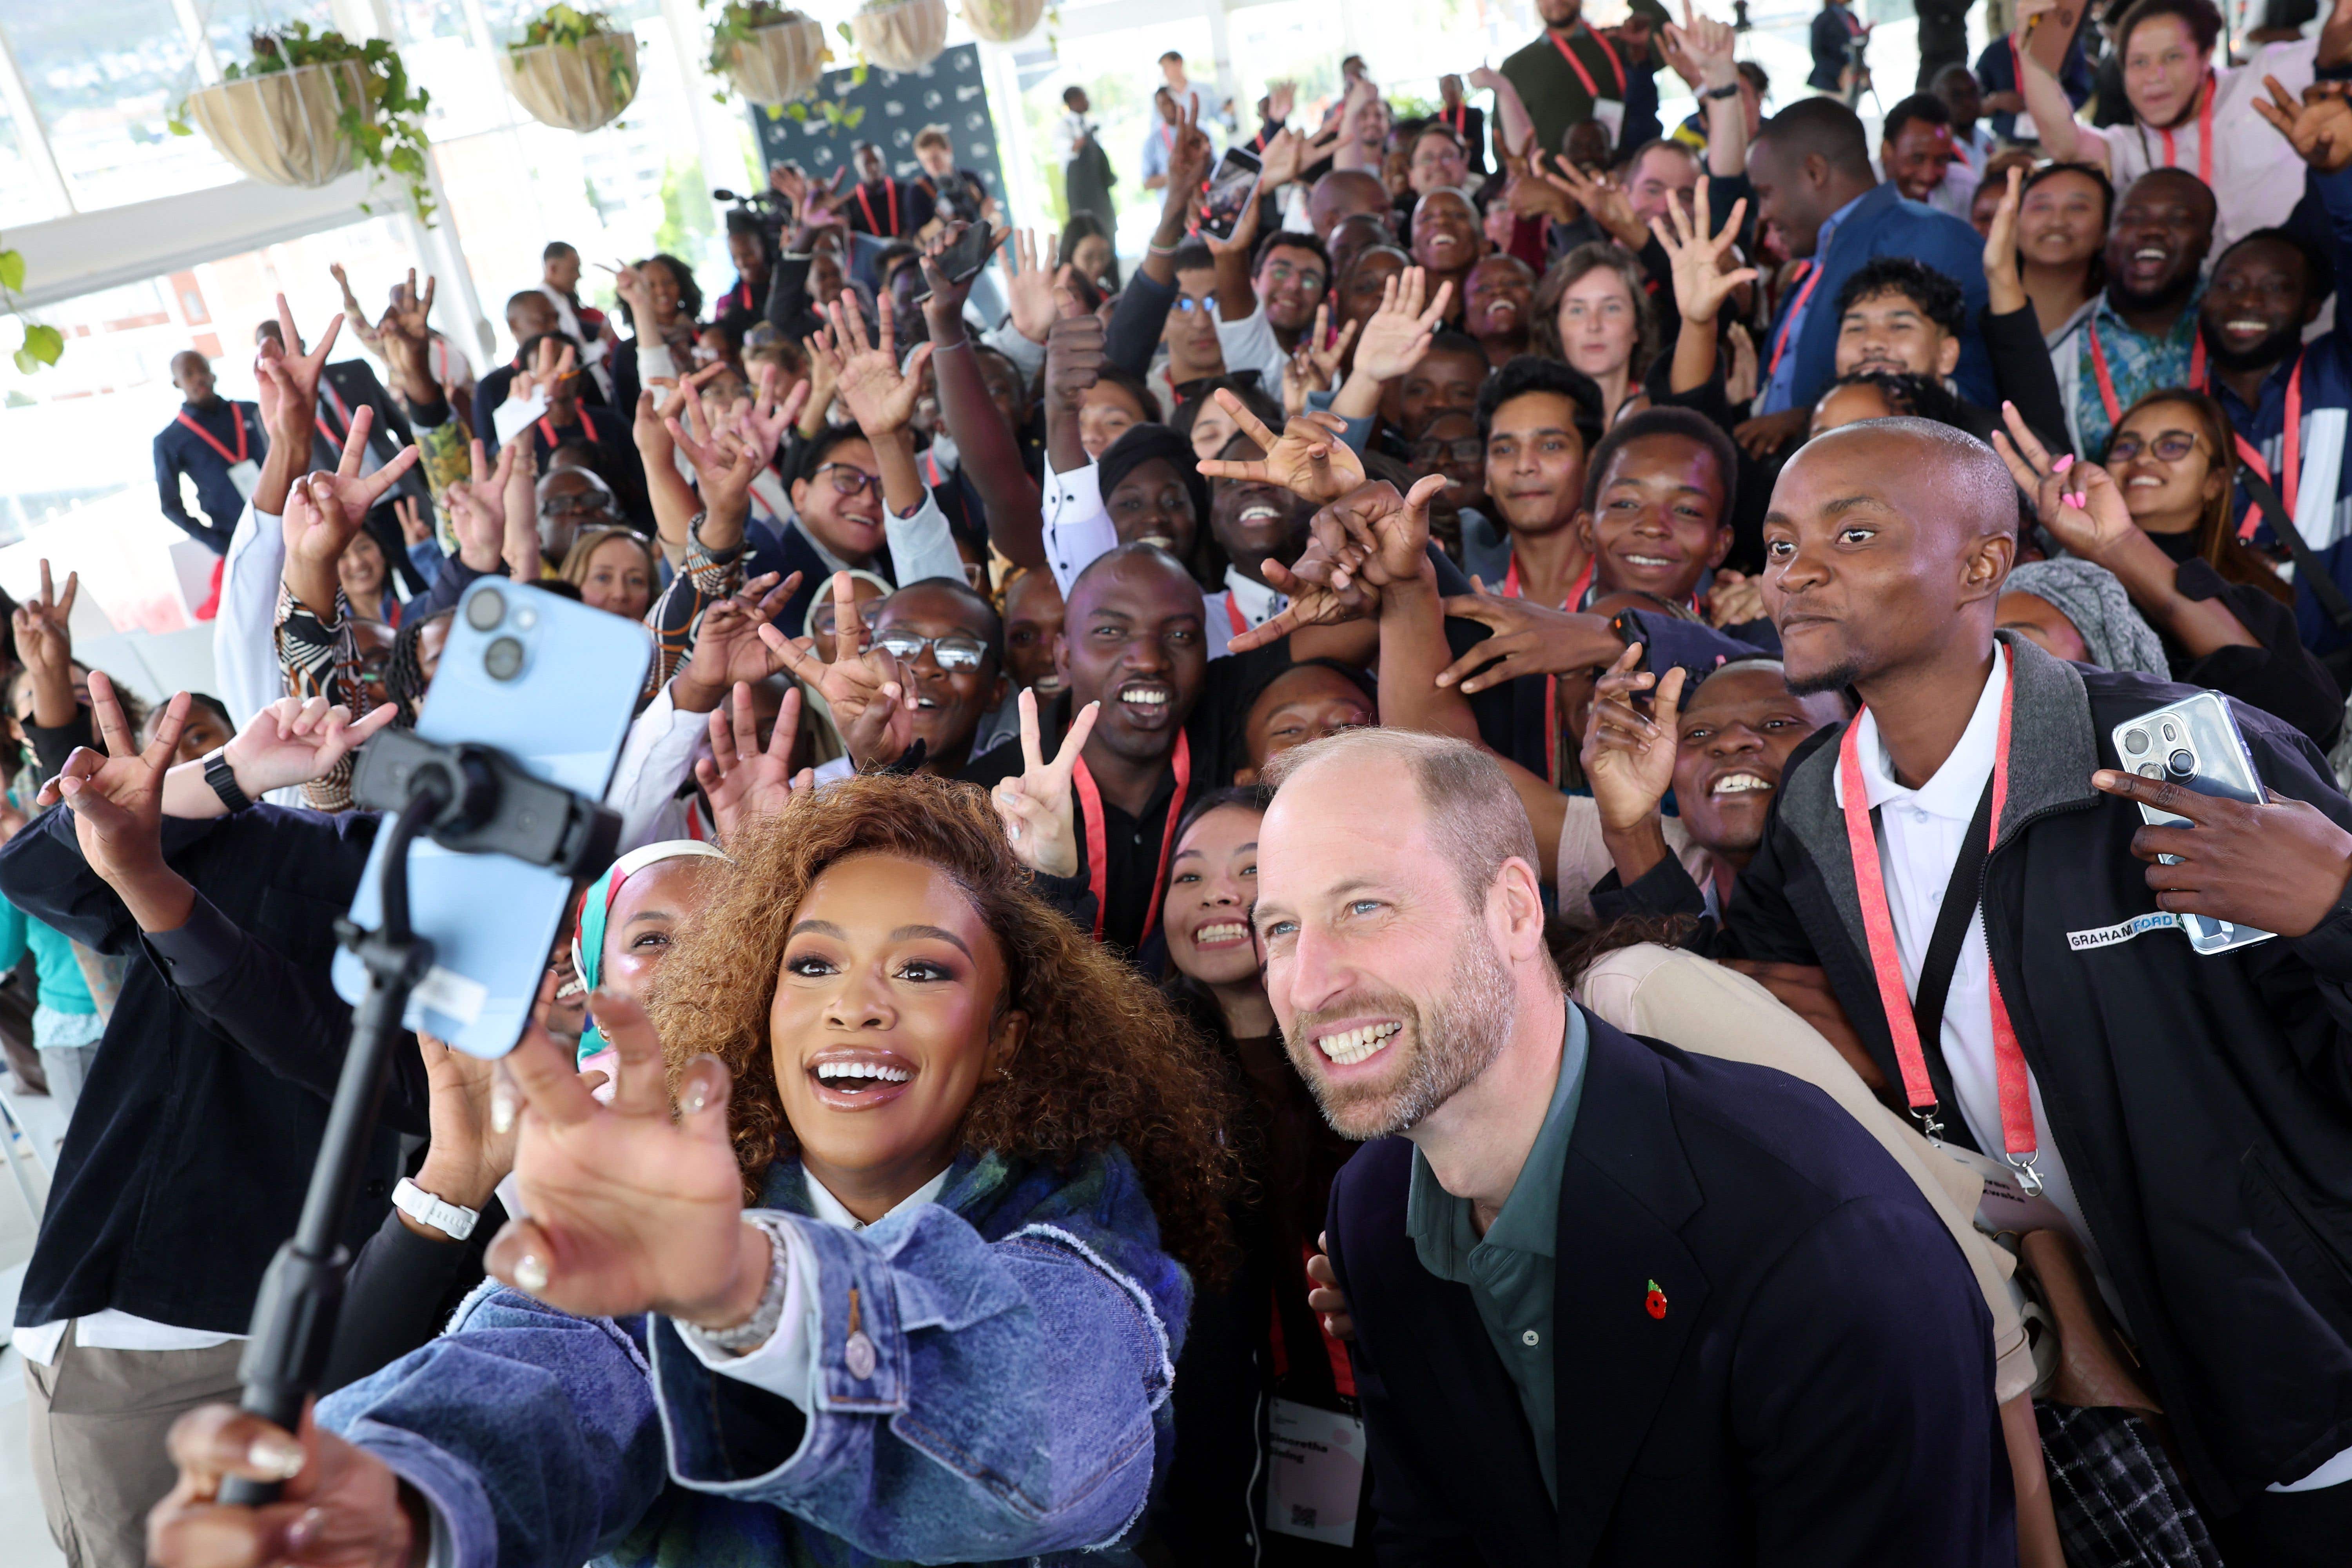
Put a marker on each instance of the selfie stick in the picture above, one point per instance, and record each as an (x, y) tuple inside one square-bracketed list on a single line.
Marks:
[(470, 799)]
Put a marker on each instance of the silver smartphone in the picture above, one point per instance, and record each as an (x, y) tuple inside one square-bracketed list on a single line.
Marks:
[(2195, 744)]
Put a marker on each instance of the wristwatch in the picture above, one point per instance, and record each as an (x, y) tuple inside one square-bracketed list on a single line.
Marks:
[(422, 1206), (1728, 90), (223, 778)]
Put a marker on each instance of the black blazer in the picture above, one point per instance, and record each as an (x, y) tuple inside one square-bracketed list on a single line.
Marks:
[(1817, 1390)]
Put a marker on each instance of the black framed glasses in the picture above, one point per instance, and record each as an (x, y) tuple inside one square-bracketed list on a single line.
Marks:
[(957, 651), (2169, 447), (848, 479), (1469, 449), (1235, 381)]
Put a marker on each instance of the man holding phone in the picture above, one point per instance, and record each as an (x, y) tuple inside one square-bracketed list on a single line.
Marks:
[(2175, 1113)]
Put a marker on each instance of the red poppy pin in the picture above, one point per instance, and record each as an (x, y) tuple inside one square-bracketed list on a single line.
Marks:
[(1655, 1301)]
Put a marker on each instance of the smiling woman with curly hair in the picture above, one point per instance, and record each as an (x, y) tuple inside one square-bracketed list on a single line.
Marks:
[(862, 1263)]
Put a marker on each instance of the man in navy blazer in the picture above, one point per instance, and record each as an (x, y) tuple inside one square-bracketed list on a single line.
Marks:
[(1613, 1304), (1811, 170)]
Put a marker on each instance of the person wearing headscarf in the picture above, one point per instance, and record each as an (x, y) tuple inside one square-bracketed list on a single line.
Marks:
[(628, 919), (2046, 600)]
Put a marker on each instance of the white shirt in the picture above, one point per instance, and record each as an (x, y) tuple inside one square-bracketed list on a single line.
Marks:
[(1249, 344), (2257, 180), (1919, 836), (1077, 527), (1258, 605), (112, 1330), (245, 627)]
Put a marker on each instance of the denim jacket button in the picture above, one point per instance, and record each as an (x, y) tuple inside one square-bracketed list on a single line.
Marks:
[(858, 1354)]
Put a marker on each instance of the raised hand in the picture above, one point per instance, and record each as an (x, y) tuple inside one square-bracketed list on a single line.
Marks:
[(1706, 46), (1396, 337), (1189, 158), (631, 1211), (405, 337), (45, 636), (1309, 459), (1035, 807), (296, 739), (2079, 503), (2319, 128), (117, 804), (1281, 97), (289, 392), (1629, 755), (1287, 154), (1029, 292), (872, 703), (1739, 379), (477, 506), (553, 363), (1701, 281), (741, 781), (943, 310), (2006, 289), (415, 528), (1315, 364), (728, 650), (1530, 639), (1733, 598), (763, 425), (1599, 194), (879, 391), (1366, 539), (723, 465)]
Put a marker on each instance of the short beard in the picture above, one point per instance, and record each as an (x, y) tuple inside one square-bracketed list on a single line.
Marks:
[(1456, 1039), (1836, 677), (2269, 351), (2173, 293)]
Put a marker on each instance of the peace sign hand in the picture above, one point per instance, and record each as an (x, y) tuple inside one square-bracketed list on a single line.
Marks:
[(1310, 458), (43, 636), (742, 781), (1629, 755), (2079, 503), (1036, 807), (880, 394), (871, 703), (118, 801)]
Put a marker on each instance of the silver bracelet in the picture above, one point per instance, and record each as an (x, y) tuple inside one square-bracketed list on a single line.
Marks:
[(1164, 250), (761, 1326)]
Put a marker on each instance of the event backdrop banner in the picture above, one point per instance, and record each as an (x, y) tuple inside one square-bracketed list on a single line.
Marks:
[(948, 91)]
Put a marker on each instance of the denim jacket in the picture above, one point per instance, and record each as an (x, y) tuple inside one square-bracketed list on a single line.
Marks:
[(1026, 1325)]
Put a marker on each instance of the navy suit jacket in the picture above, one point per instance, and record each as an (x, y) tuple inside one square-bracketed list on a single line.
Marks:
[(1817, 1389), (1884, 224)]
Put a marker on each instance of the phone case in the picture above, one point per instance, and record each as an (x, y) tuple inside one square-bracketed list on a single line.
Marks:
[(561, 711), (2195, 744), (1231, 185)]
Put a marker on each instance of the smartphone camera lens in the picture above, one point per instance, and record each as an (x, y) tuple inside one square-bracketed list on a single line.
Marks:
[(503, 659), (2183, 761), (487, 609), (2151, 769), (2134, 741)]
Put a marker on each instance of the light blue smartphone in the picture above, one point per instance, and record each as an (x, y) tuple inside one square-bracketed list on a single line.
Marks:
[(553, 684), (2195, 742)]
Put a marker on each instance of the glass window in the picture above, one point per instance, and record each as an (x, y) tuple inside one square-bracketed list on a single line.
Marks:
[(23, 198), (104, 77)]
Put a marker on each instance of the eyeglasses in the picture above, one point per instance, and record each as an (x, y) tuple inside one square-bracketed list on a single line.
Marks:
[(1240, 382), (2169, 447), (574, 505), (1469, 449), (848, 479), (955, 651)]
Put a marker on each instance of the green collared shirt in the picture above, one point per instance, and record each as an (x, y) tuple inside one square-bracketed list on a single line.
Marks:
[(1509, 1269)]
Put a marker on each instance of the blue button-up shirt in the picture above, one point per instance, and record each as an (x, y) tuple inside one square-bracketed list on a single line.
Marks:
[(1511, 1270), (1782, 391)]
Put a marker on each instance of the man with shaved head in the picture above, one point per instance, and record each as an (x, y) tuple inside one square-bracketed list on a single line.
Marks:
[(2171, 1111), (1677, 1272), (1344, 192), (1135, 639)]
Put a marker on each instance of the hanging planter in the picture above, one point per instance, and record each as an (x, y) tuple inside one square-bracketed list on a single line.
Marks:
[(572, 70), (902, 35), (310, 108), (774, 60), (1004, 21)]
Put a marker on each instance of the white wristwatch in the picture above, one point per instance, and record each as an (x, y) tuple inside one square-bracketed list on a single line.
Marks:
[(422, 1206)]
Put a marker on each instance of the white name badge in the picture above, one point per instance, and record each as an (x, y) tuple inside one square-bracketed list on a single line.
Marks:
[(1315, 1473), (245, 476), (1612, 113)]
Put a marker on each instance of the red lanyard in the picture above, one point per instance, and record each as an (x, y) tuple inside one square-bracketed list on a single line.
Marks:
[(1099, 845), (1591, 90), (2290, 457), (890, 192), (2204, 132), (238, 419), (2106, 383), (742, 295), (1552, 682), (343, 411), (2017, 66), (2018, 1136), (553, 440), (1788, 327), (1460, 122), (1233, 616)]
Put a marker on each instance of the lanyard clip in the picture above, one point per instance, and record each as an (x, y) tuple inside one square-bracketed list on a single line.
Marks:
[(1928, 1124), (2027, 1177)]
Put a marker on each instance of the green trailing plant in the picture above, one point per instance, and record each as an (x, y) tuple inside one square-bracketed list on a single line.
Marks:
[(561, 24), (394, 142), (739, 19), (43, 344)]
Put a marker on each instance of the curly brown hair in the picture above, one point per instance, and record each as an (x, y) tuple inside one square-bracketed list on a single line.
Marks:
[(1107, 1060)]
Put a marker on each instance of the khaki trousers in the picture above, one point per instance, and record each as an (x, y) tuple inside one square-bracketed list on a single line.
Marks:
[(99, 1418)]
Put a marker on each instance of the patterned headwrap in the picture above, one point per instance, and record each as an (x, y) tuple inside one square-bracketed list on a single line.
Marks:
[(588, 936)]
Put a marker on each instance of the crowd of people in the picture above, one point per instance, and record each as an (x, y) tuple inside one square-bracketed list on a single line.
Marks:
[(1440, 875)]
